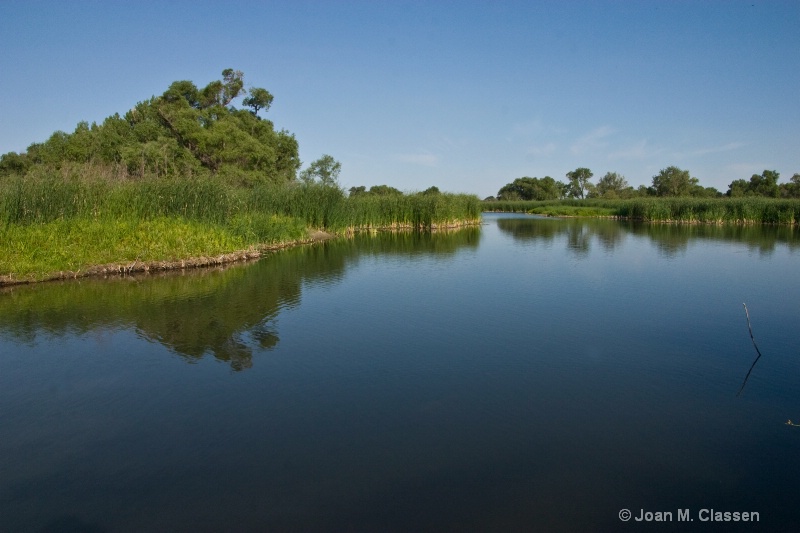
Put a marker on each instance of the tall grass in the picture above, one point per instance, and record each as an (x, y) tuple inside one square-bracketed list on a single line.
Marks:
[(745, 210), (54, 223), (328, 208), (25, 201)]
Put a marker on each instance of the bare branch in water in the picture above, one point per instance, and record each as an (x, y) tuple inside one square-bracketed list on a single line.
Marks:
[(749, 327)]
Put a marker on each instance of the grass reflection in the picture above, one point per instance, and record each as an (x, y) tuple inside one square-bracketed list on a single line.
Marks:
[(229, 312), (670, 239)]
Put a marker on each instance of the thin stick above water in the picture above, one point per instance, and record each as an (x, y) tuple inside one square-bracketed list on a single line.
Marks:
[(750, 328)]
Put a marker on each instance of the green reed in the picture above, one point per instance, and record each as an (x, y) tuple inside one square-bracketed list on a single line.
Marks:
[(744, 210), (51, 223)]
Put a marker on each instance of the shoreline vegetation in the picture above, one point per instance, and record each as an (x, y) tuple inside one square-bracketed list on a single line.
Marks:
[(57, 227), (186, 179), (674, 197), (684, 210)]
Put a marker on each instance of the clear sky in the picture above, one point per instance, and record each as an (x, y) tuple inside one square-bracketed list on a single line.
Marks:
[(463, 95)]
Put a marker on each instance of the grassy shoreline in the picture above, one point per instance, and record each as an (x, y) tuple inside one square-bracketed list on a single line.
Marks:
[(206, 259), (745, 210), (61, 228)]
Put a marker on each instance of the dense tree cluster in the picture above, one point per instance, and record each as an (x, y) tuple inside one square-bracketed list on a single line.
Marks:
[(533, 189), (766, 184), (376, 190), (186, 131), (669, 182)]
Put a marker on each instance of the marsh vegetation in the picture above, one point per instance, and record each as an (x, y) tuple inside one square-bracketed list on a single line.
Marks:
[(183, 175), (741, 210)]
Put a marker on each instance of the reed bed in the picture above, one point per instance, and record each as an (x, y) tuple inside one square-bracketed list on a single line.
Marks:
[(744, 210), (27, 201), (53, 223)]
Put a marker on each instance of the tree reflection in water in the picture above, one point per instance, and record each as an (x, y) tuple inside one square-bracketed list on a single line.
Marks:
[(228, 312), (670, 239)]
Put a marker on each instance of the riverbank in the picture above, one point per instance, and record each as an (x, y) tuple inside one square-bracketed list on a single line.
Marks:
[(743, 210), (137, 265), (54, 227)]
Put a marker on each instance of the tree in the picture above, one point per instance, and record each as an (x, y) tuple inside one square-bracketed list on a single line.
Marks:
[(384, 190), (378, 190), (673, 181), (579, 182), (765, 184), (431, 190), (611, 185), (259, 99), (737, 188), (791, 189), (222, 92), (14, 163), (183, 132), (233, 84), (287, 160), (531, 189), (325, 170), (705, 192), (183, 89), (563, 189)]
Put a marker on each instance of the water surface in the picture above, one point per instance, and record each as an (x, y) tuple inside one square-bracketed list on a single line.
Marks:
[(536, 374)]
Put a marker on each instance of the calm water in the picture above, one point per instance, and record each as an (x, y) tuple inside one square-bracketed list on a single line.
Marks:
[(535, 374)]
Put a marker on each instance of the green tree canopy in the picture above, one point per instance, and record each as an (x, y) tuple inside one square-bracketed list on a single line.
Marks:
[(579, 182), (222, 92), (644, 190), (185, 131), (705, 192), (324, 170), (737, 188), (532, 189), (612, 185), (384, 190), (791, 189), (13, 163), (259, 99), (764, 184), (183, 89), (673, 181), (379, 190)]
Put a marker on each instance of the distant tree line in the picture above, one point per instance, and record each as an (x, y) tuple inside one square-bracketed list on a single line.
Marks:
[(385, 190), (766, 184), (184, 132), (669, 182)]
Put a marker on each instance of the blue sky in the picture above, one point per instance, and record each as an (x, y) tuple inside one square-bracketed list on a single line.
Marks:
[(466, 96)]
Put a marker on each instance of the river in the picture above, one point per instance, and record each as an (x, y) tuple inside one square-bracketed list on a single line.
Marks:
[(531, 374)]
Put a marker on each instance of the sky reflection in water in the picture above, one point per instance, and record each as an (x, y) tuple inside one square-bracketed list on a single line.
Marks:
[(535, 373)]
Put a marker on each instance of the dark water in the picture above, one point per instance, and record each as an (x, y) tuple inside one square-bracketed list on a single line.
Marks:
[(536, 374)]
